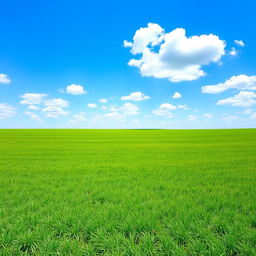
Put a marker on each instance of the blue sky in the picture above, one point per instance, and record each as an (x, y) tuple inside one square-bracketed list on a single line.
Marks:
[(115, 64)]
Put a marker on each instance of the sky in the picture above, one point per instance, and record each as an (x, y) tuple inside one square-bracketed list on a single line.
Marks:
[(128, 64)]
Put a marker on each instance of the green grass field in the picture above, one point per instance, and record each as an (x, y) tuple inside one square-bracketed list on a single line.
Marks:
[(128, 192)]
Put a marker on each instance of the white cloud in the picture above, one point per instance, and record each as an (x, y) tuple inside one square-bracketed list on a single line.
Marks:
[(164, 110), (33, 116), (208, 116), (33, 107), (78, 118), (91, 105), (233, 51), (130, 109), (54, 112), (191, 118), (75, 89), (247, 111), (242, 99), (56, 103), (184, 106), (241, 82), (127, 109), (103, 100), (32, 98), (54, 107), (239, 43), (6, 111), (135, 96), (174, 55), (4, 79), (176, 95), (114, 116), (230, 118), (253, 116)]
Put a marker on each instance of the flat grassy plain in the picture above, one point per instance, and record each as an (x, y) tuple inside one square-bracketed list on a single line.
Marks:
[(128, 192)]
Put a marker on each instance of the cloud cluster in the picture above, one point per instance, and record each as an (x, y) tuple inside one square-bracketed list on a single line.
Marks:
[(32, 115), (4, 79), (135, 96), (6, 111), (173, 55)]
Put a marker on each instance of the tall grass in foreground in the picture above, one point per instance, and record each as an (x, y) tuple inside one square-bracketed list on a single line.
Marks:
[(128, 192)]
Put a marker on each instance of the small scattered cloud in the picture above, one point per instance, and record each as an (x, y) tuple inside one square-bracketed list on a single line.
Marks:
[(92, 105), (78, 118), (176, 95), (247, 111), (239, 43), (242, 99), (127, 109), (191, 118), (208, 116), (32, 115), (4, 79), (135, 96), (75, 89), (103, 100), (183, 106), (230, 118), (32, 98), (233, 51), (173, 55), (33, 107), (241, 82), (6, 111)]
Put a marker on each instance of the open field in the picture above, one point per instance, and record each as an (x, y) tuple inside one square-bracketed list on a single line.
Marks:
[(128, 192)]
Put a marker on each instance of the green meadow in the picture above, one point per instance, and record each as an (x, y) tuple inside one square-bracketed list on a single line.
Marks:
[(128, 192)]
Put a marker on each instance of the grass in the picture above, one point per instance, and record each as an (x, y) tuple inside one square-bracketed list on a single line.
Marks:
[(128, 192)]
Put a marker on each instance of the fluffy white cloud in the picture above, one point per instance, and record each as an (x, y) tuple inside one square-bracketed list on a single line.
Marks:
[(78, 118), (233, 51), (54, 107), (91, 105), (164, 110), (239, 43), (6, 111), (173, 55), (176, 95), (4, 79), (32, 115), (241, 82), (242, 99), (33, 107), (103, 100), (32, 98), (75, 89), (135, 96), (208, 116)]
